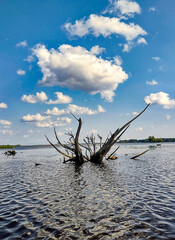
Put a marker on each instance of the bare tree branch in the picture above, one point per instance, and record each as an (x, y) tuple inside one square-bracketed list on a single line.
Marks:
[(113, 153), (64, 154), (139, 154)]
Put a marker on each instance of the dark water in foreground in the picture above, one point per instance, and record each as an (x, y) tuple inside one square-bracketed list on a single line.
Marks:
[(122, 199)]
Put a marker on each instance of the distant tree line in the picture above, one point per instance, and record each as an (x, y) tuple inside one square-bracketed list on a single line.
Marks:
[(8, 146), (150, 139)]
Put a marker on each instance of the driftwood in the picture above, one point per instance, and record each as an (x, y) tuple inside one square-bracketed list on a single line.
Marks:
[(112, 156), (37, 164), (140, 154), (93, 152), (10, 153)]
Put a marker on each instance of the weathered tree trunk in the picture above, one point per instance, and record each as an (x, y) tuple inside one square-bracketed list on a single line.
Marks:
[(79, 158)]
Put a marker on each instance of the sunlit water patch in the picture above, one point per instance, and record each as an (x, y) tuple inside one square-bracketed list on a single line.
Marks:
[(121, 199)]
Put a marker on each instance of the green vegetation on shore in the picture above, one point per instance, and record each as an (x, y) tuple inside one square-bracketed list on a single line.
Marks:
[(9, 146), (150, 139)]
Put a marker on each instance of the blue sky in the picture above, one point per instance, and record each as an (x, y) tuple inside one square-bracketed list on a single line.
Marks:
[(101, 60)]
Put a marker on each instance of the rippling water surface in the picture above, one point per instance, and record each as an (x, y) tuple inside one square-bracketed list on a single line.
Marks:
[(121, 199)]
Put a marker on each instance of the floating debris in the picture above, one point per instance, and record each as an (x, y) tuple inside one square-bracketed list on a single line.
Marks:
[(10, 153), (140, 154), (37, 164), (112, 158), (152, 146)]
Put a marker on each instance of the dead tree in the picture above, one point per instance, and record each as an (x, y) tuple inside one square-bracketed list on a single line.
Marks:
[(91, 152)]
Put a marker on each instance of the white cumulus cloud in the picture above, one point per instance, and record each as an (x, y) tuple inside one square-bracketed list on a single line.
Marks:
[(160, 98), (152, 83), (61, 99), (34, 118), (20, 72), (124, 7), (75, 110), (45, 121), (22, 44), (39, 97), (5, 122), (3, 105), (100, 25), (60, 122), (57, 112), (84, 110), (78, 68)]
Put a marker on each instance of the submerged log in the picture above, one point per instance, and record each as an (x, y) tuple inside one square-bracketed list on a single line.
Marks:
[(140, 154)]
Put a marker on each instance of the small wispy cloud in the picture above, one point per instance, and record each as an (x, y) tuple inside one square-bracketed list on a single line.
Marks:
[(6, 132), (3, 105), (118, 60), (135, 113), (22, 44), (60, 133), (156, 58), (29, 59), (93, 131), (5, 122), (139, 129), (152, 83), (20, 72), (127, 46), (26, 136), (152, 9), (142, 41), (168, 117), (131, 44)]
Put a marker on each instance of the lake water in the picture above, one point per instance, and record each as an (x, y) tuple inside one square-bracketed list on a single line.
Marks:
[(121, 199)]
